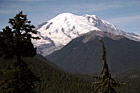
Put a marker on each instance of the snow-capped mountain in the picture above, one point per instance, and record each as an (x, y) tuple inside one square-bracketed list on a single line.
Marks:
[(60, 30)]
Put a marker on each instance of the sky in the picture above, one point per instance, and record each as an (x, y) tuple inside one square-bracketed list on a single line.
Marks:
[(125, 14)]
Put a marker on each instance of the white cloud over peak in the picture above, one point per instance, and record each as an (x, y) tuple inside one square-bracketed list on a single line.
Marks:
[(94, 7), (122, 20)]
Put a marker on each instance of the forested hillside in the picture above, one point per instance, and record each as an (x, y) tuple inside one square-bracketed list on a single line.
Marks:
[(54, 80), (82, 55)]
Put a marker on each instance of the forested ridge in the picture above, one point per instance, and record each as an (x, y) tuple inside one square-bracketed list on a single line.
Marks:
[(54, 80)]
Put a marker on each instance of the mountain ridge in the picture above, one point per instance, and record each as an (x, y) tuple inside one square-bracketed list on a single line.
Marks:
[(60, 30), (82, 54)]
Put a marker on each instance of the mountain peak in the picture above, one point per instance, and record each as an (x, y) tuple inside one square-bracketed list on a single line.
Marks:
[(60, 30), (62, 16), (66, 14), (93, 16)]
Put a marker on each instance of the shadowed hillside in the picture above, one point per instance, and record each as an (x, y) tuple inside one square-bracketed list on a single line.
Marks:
[(82, 55), (53, 80)]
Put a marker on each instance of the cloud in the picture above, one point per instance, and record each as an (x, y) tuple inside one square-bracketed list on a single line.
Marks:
[(94, 7), (84, 8), (7, 11), (122, 20), (4, 12), (137, 32)]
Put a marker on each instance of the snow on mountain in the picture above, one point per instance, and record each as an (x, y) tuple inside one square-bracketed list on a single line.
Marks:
[(60, 30)]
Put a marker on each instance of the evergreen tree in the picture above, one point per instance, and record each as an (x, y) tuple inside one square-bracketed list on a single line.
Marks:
[(16, 42), (107, 84)]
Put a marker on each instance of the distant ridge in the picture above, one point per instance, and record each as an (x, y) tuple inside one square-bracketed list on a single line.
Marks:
[(82, 55)]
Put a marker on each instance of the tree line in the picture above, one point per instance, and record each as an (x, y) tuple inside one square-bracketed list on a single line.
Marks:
[(15, 43)]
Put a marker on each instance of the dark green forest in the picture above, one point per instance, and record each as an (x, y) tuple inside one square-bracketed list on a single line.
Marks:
[(54, 80)]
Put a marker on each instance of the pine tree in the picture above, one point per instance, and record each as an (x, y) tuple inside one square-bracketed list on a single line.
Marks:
[(107, 84), (15, 42)]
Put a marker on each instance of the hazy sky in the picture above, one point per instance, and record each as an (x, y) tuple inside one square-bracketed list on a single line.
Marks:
[(125, 14)]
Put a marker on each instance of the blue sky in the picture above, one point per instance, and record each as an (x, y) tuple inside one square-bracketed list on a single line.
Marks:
[(125, 14)]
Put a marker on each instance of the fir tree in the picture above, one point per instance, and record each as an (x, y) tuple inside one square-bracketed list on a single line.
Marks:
[(15, 42), (107, 84)]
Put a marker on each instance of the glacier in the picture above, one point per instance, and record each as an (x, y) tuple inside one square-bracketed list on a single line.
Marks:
[(59, 31)]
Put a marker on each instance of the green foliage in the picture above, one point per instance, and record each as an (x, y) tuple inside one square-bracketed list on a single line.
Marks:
[(53, 79), (16, 40), (107, 84), (17, 79), (133, 85)]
